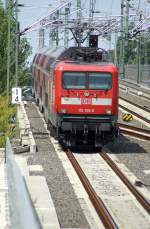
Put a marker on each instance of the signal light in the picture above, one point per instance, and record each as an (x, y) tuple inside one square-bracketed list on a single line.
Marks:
[(93, 41)]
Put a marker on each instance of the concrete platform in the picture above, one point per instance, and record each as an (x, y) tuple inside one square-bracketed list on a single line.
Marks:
[(43, 202), (39, 194), (4, 203)]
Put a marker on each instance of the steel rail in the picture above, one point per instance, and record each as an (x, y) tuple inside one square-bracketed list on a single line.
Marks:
[(134, 104), (132, 92), (135, 114), (122, 125), (134, 134), (145, 203), (95, 199), (138, 129), (140, 133)]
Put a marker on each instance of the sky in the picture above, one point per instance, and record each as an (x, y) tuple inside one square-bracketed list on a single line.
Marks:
[(35, 9)]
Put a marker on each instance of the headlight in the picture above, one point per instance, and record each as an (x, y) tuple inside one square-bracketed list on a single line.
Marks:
[(108, 111), (63, 111)]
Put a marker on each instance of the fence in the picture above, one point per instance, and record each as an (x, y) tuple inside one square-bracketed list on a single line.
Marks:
[(139, 74)]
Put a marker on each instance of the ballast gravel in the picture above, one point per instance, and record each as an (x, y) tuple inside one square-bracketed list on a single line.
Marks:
[(135, 155), (133, 152), (69, 212), (135, 99)]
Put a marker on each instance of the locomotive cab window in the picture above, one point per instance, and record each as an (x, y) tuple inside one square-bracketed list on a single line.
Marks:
[(100, 80), (74, 80), (87, 80)]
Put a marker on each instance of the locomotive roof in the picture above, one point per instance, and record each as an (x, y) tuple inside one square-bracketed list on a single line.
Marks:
[(83, 54), (90, 63)]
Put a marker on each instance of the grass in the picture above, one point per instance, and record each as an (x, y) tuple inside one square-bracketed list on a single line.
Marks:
[(7, 128)]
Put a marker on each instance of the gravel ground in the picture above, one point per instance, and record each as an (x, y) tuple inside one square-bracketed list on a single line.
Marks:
[(136, 100), (134, 122), (127, 82), (68, 209), (134, 153), (113, 192)]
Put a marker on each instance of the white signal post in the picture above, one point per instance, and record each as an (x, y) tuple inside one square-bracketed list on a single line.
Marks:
[(16, 95)]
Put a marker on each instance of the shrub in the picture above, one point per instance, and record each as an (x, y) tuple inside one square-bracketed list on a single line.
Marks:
[(7, 113)]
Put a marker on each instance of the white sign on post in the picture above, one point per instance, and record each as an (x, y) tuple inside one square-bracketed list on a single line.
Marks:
[(16, 95)]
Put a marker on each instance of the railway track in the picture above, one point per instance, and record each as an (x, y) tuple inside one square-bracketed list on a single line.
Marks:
[(133, 90), (98, 204), (134, 131), (105, 214), (100, 207), (147, 109), (145, 204), (135, 114)]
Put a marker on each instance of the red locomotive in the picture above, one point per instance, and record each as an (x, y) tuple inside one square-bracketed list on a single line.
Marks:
[(77, 90)]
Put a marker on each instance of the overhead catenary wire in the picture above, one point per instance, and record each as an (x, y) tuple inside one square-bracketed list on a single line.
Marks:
[(46, 17), (100, 25)]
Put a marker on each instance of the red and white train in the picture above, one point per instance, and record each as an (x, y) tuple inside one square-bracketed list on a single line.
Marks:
[(78, 93)]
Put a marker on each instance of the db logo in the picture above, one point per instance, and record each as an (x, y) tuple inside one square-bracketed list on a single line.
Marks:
[(87, 101), (86, 93)]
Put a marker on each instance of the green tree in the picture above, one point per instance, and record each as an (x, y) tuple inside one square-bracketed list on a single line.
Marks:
[(3, 47), (132, 49), (130, 52), (24, 73), (24, 52)]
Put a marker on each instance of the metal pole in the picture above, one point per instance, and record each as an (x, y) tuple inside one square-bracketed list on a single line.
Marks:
[(51, 34), (5, 152), (66, 35), (122, 51), (8, 7), (8, 49), (139, 59), (17, 42), (115, 50), (127, 17), (41, 38), (91, 13), (125, 34), (57, 30), (92, 7), (79, 22), (139, 56)]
